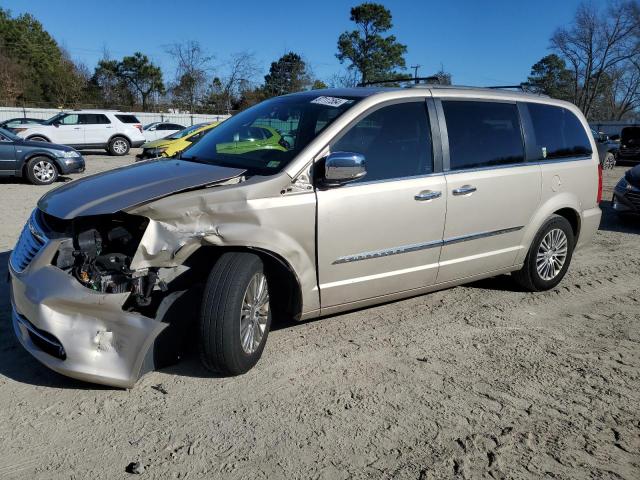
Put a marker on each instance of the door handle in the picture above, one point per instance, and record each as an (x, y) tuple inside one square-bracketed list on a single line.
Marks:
[(464, 190), (427, 195), (76, 128)]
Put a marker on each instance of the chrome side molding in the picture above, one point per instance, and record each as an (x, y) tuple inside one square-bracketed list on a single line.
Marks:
[(387, 251), (422, 246)]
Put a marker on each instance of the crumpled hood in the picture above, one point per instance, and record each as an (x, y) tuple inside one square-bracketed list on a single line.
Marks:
[(129, 186)]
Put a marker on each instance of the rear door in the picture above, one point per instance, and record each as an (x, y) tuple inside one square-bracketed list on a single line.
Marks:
[(492, 193), (382, 234), (97, 128)]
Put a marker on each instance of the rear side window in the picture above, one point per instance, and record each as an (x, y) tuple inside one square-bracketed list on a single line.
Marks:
[(128, 118), (395, 141), (93, 119), (483, 134), (558, 132)]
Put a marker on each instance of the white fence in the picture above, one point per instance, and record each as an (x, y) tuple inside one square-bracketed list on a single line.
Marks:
[(186, 119)]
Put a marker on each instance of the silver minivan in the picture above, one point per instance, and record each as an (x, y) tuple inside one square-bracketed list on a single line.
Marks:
[(347, 198)]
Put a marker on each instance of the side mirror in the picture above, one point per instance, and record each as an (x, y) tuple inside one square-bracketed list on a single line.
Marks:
[(604, 138), (343, 167)]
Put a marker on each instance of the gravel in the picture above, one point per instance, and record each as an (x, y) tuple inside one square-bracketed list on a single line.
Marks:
[(475, 381)]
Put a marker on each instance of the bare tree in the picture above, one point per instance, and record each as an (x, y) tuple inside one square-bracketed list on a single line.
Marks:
[(10, 79), (240, 71), (193, 65), (622, 95), (69, 89), (346, 79), (596, 43)]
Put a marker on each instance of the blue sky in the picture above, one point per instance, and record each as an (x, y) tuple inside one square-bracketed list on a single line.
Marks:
[(479, 42)]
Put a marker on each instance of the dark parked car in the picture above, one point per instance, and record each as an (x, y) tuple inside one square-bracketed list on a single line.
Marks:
[(607, 149), (39, 162), (17, 122), (626, 195), (630, 144)]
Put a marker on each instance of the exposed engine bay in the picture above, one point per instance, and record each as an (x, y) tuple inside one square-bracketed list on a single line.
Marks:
[(100, 251)]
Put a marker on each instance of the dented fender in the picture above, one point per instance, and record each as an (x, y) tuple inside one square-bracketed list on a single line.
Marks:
[(259, 213)]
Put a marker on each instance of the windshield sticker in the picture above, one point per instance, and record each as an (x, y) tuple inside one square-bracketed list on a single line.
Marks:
[(330, 101), (273, 164)]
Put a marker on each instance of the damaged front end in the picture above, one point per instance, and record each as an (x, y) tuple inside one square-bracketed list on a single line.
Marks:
[(80, 308), (80, 303)]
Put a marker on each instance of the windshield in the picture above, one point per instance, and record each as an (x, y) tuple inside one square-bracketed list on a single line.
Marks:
[(266, 137), (8, 135), (186, 131), (149, 125)]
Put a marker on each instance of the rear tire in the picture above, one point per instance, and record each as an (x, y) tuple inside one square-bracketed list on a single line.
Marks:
[(235, 318), (119, 146), (41, 171), (549, 256), (37, 138)]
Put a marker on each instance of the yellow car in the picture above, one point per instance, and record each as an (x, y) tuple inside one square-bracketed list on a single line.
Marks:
[(176, 142)]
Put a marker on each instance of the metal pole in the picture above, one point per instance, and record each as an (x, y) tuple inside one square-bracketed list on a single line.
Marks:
[(415, 72)]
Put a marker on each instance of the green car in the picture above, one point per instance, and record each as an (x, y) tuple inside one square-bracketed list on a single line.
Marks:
[(249, 139)]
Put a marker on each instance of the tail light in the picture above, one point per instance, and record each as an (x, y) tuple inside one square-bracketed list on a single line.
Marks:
[(599, 198), (138, 126)]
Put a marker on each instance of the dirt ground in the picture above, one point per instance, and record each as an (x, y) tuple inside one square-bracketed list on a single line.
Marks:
[(476, 381)]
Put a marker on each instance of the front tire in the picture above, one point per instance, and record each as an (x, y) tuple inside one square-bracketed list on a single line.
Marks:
[(236, 316), (549, 256), (119, 146), (41, 171), (37, 138)]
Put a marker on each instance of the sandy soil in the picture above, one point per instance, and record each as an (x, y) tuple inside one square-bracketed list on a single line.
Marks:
[(476, 381)]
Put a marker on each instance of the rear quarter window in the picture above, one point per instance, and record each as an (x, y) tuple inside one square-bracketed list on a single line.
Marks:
[(558, 133), (128, 118)]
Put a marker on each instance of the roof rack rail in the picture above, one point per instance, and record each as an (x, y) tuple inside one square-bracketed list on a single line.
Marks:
[(524, 86), (433, 79)]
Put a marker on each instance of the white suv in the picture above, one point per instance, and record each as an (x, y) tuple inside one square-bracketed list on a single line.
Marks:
[(114, 131)]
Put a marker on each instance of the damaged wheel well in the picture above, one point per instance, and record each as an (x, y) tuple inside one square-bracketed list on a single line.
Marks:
[(285, 290)]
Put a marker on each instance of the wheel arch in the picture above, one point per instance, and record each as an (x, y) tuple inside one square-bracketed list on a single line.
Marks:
[(32, 155), (573, 217), (289, 301), (122, 135), (38, 135), (564, 204)]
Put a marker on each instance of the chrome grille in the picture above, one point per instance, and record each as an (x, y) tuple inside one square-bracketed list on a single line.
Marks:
[(29, 244)]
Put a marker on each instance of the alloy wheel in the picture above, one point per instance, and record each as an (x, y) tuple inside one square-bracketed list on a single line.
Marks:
[(552, 254), (254, 313), (43, 171), (120, 147)]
